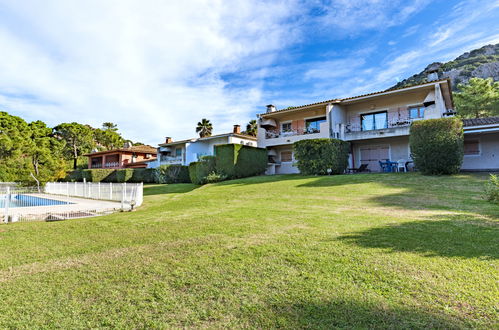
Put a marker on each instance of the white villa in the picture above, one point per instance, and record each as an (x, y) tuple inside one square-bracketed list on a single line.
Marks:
[(377, 126), (185, 152)]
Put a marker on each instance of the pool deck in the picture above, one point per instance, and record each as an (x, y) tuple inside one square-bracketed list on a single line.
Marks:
[(82, 206)]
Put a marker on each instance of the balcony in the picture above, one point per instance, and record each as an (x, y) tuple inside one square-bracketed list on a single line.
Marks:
[(276, 137), (111, 165), (398, 127), (170, 160)]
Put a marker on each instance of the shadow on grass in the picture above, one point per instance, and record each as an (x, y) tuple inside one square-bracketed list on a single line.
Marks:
[(347, 314), (174, 188), (451, 236), (261, 179), (463, 192)]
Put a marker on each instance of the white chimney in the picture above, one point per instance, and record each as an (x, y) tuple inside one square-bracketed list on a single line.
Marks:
[(432, 76), (271, 108)]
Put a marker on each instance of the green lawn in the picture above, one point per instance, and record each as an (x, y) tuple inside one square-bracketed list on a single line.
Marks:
[(373, 250)]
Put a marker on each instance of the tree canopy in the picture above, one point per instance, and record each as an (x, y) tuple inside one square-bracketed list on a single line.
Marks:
[(252, 128), (35, 149), (204, 128), (479, 98)]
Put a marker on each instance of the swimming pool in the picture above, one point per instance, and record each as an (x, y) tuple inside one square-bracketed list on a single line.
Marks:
[(20, 200)]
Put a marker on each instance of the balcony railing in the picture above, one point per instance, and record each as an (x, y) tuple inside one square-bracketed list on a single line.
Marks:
[(170, 159), (272, 134), (112, 164), (389, 124)]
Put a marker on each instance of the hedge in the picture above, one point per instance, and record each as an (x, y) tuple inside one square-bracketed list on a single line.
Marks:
[(136, 175), (239, 161), (437, 145), (172, 174), (198, 171), (146, 175), (321, 156)]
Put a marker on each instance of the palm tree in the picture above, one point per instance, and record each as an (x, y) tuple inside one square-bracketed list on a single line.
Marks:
[(204, 128), (252, 128)]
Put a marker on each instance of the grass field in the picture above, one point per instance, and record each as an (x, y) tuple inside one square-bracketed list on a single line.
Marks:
[(374, 250)]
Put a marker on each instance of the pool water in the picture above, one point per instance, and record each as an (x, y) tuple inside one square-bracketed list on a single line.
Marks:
[(27, 200)]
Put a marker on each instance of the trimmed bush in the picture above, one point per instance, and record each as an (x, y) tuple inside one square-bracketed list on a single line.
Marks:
[(198, 171), (98, 175), (437, 145), (321, 156), (111, 175), (172, 174), (145, 175), (492, 189), (214, 178), (239, 161)]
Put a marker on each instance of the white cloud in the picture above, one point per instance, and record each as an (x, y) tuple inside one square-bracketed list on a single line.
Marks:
[(152, 67), (353, 16)]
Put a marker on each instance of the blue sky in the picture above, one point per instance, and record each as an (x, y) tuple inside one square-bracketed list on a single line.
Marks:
[(157, 67)]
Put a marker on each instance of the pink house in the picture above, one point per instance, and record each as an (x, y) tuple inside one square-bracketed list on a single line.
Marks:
[(131, 157)]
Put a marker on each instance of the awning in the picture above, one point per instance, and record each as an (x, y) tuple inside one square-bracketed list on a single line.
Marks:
[(268, 123), (165, 149)]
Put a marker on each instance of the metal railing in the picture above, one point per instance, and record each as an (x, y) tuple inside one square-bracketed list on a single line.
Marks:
[(112, 164), (171, 159), (272, 134), (401, 122), (126, 193), (56, 200)]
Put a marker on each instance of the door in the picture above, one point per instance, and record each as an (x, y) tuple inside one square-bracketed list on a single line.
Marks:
[(371, 155)]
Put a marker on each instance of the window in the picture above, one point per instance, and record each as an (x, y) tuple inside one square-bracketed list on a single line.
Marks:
[(472, 147), (178, 152), (377, 120), (314, 125), (285, 127), (416, 112), (286, 156)]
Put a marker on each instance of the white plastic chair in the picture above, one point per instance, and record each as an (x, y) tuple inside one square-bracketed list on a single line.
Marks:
[(401, 165)]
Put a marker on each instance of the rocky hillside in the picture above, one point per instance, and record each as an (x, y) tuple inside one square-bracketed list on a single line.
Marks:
[(480, 63)]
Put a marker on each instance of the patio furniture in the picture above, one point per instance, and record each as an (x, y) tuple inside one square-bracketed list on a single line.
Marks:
[(411, 164), (388, 166), (401, 165), (362, 168)]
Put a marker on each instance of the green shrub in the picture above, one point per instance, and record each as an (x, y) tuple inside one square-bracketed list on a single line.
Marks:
[(250, 161), (437, 145), (226, 156), (321, 156), (98, 175), (74, 176), (492, 189), (198, 171), (215, 177), (111, 175), (119, 176), (239, 161), (146, 175), (172, 174)]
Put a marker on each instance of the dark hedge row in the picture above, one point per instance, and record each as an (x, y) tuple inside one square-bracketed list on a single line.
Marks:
[(321, 156), (231, 161), (162, 174), (437, 145)]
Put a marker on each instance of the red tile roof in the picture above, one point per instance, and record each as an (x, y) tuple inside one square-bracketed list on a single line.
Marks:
[(480, 121), (143, 149), (352, 97)]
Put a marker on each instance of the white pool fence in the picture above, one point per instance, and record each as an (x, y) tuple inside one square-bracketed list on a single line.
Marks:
[(65, 200)]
